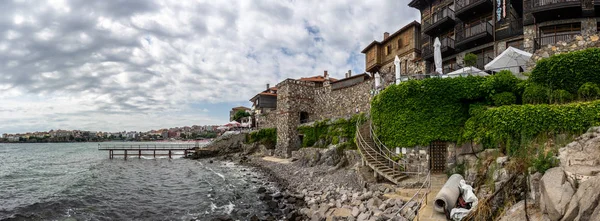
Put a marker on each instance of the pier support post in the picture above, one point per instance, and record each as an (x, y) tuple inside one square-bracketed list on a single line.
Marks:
[(126, 154), (154, 153), (139, 154), (169, 154)]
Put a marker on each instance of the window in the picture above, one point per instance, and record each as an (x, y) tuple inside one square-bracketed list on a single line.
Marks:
[(388, 49), (564, 29), (400, 43), (449, 66), (303, 117), (515, 44)]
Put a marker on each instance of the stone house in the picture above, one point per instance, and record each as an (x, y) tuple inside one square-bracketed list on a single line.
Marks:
[(234, 110), (404, 43), (310, 99)]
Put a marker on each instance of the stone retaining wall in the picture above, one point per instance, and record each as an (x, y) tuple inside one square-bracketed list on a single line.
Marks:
[(578, 43)]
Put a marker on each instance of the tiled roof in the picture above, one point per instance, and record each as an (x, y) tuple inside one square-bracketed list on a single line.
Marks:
[(317, 78)]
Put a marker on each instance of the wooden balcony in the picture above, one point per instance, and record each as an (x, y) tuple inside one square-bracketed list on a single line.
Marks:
[(447, 48), (474, 34), (547, 40), (472, 8), (440, 21)]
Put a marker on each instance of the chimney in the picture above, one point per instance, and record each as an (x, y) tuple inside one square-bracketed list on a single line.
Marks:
[(325, 75), (386, 35), (268, 86), (349, 73)]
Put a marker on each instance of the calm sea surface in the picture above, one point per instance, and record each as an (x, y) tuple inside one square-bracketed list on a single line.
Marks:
[(75, 181)]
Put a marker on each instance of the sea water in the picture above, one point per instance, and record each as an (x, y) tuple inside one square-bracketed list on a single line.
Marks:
[(66, 181)]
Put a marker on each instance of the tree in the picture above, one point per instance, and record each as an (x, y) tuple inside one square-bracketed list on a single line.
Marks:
[(183, 136), (240, 114), (470, 59)]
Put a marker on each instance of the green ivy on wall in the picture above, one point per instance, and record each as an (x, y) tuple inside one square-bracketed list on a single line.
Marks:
[(508, 125), (267, 137), (330, 132)]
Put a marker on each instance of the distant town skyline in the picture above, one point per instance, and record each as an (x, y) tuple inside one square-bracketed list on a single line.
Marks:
[(138, 65)]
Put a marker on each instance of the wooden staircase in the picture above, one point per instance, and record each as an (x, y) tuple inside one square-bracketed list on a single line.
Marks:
[(374, 155)]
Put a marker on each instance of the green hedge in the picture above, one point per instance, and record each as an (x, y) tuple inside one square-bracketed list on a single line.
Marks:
[(267, 137), (504, 98), (568, 71), (508, 125), (330, 131), (419, 112)]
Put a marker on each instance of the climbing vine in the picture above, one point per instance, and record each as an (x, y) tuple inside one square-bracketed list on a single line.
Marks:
[(330, 132)]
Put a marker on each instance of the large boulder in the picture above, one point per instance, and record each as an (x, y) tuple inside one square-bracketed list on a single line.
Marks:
[(556, 193), (584, 204), (331, 156), (581, 158)]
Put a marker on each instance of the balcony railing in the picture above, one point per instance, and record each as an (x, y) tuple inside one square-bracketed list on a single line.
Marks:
[(547, 40), (462, 5), (438, 17), (464, 33), (514, 28), (446, 44), (543, 3)]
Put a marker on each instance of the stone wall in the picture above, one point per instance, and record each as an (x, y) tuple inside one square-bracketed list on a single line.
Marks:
[(530, 32), (266, 120), (578, 43), (319, 103), (408, 66), (417, 159), (293, 97), (341, 103)]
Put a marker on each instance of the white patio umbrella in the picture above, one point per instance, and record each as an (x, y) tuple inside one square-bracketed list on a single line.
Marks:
[(510, 59), (466, 71), (437, 55), (397, 64)]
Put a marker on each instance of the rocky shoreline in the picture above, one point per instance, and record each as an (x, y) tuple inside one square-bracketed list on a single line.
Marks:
[(315, 184)]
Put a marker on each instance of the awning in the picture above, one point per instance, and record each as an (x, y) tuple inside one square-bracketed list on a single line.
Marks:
[(511, 59), (466, 71)]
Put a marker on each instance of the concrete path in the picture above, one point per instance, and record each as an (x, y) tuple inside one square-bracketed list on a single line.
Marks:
[(427, 213), (277, 160)]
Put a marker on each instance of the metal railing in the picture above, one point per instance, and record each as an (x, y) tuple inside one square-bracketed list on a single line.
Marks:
[(542, 3), (553, 39), (446, 43), (461, 4), (445, 12), (514, 28), (147, 147), (463, 33), (423, 190)]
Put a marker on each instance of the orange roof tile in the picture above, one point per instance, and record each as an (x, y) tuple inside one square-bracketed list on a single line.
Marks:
[(317, 78)]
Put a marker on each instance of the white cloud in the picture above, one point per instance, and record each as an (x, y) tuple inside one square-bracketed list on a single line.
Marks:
[(88, 63)]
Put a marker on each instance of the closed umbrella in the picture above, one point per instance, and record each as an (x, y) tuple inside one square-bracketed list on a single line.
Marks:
[(377, 80), (437, 55), (397, 64)]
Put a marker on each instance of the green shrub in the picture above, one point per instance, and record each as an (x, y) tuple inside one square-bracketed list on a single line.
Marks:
[(535, 94), (509, 125), (560, 97), (470, 59), (267, 137), (589, 91), (504, 98), (503, 81), (544, 161), (568, 71)]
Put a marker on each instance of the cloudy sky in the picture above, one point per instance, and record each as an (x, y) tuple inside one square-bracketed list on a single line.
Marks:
[(115, 65)]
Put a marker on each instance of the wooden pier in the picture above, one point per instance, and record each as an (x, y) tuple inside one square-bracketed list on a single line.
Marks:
[(139, 150)]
